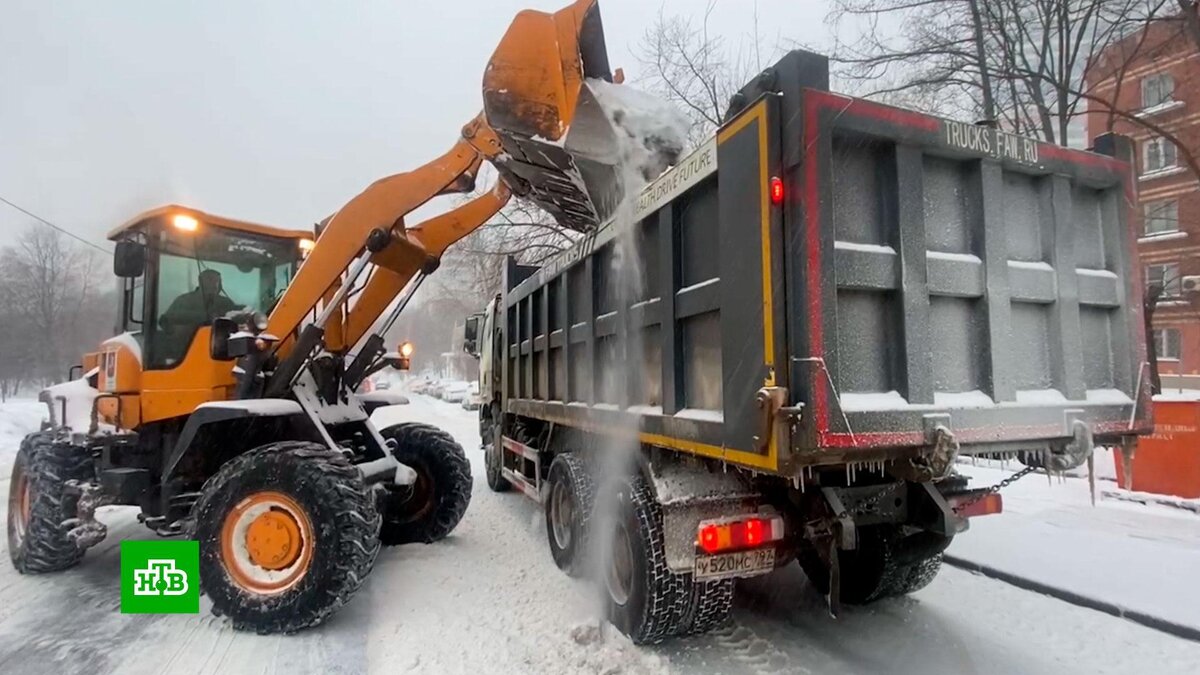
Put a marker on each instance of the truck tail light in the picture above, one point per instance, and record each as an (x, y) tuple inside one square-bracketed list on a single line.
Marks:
[(731, 535), (776, 190), (992, 503)]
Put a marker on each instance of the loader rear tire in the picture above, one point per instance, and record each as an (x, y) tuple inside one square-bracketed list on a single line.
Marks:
[(288, 533), (569, 498), (38, 503), (885, 564), (430, 509)]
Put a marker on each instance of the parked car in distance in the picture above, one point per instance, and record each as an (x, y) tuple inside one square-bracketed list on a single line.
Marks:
[(471, 400), (454, 391)]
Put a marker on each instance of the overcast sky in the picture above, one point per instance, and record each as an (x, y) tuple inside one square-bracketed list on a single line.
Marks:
[(277, 112)]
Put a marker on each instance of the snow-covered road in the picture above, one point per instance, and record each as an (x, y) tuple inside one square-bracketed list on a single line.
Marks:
[(490, 600)]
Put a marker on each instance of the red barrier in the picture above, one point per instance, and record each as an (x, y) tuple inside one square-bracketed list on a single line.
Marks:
[(1168, 461)]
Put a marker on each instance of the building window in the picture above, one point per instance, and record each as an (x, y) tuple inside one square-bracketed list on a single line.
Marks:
[(1166, 343), (1157, 90), (1158, 154), (1161, 216), (1165, 276)]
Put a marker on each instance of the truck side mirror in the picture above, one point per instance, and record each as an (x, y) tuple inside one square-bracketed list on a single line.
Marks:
[(471, 335), (218, 340), (129, 259)]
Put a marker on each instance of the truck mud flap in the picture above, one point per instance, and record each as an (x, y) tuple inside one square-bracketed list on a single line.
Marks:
[(689, 493)]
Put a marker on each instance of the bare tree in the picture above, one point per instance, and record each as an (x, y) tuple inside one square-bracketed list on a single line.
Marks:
[(1025, 64), (471, 274), (1189, 15), (53, 307), (683, 62)]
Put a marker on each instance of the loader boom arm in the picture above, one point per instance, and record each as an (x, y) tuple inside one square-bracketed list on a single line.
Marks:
[(380, 208), (366, 254)]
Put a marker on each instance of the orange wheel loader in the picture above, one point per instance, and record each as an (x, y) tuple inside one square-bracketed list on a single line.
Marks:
[(226, 408)]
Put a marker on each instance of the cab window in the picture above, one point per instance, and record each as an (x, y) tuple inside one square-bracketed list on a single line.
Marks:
[(210, 273)]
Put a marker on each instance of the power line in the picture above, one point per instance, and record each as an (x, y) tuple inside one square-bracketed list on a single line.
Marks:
[(52, 226)]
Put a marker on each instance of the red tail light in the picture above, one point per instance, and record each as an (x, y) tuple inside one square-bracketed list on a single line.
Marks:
[(731, 535), (752, 531), (776, 190)]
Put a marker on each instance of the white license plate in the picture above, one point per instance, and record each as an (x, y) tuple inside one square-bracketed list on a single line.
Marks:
[(741, 564)]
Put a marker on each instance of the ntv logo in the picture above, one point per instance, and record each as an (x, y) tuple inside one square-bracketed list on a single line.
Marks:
[(160, 577)]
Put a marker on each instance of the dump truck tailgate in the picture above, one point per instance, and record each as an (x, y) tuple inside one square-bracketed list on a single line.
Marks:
[(953, 274)]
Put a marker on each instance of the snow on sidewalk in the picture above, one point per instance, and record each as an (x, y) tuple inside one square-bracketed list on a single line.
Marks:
[(1144, 558)]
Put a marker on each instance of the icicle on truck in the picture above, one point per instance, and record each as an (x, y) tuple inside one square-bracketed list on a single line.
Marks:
[(837, 299), (227, 407)]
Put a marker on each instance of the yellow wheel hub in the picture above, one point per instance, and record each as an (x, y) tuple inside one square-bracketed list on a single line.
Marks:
[(267, 542), (273, 540)]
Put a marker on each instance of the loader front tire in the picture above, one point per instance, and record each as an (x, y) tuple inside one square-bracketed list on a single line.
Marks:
[(288, 533), (38, 503), (431, 508)]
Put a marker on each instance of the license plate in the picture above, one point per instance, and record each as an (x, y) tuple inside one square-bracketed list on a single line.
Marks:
[(741, 564)]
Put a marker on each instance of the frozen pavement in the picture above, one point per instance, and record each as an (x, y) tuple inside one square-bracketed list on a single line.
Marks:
[(1144, 558), (489, 600)]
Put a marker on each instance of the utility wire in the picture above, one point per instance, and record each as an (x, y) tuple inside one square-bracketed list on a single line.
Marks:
[(52, 226)]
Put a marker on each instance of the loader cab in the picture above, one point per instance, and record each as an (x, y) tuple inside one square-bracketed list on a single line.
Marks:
[(181, 268)]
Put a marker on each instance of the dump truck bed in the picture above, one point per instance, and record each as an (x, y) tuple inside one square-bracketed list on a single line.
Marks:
[(831, 280)]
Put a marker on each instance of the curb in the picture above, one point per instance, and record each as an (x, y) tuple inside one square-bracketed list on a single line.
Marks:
[(1112, 609)]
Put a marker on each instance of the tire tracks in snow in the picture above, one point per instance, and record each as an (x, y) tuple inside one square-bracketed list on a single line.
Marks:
[(748, 650)]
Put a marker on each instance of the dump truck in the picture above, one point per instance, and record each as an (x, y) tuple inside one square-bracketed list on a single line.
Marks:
[(793, 334), (227, 407)]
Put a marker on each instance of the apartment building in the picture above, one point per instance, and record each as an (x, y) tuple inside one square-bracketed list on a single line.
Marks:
[(1153, 76)]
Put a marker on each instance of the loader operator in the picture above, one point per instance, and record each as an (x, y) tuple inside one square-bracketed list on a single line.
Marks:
[(198, 307)]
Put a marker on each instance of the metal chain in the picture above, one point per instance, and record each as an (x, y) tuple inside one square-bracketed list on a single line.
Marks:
[(997, 487), (866, 505)]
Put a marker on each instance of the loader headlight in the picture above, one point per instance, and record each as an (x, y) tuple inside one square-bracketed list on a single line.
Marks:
[(183, 221), (406, 349), (306, 246)]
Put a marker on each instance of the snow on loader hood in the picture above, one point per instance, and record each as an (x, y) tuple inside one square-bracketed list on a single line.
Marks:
[(70, 404)]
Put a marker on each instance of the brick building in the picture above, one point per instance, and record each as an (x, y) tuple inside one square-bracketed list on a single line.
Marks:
[(1155, 76)]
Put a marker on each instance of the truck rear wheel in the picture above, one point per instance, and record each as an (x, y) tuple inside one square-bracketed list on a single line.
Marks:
[(885, 564), (430, 509), (569, 500), (288, 533), (38, 504), (645, 600)]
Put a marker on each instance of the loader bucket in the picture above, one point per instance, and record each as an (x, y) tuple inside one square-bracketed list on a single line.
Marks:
[(558, 141)]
